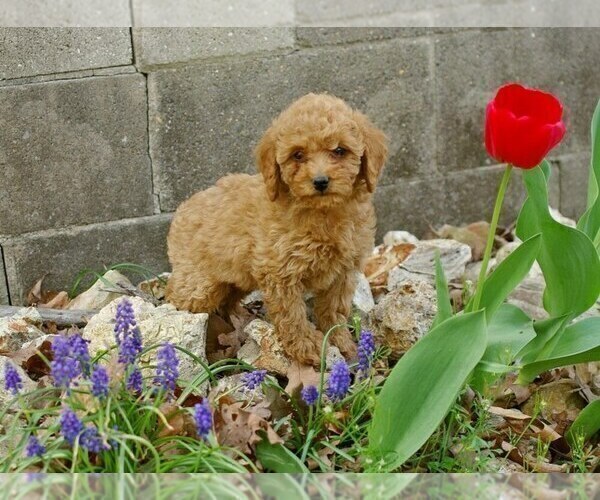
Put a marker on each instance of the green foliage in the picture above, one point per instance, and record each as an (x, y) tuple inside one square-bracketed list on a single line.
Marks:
[(423, 385), (277, 458), (444, 306), (589, 222), (567, 256), (586, 424)]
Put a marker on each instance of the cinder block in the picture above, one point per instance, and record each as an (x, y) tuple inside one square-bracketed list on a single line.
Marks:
[(471, 65), (75, 13), (327, 10), (3, 285), (39, 51), (205, 120), (314, 37), (574, 170), (240, 13), (62, 254), (523, 13), (158, 46), (455, 198), (74, 152)]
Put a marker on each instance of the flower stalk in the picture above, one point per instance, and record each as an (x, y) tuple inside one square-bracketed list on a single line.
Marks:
[(491, 235)]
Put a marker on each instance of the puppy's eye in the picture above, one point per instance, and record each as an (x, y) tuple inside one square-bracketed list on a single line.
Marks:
[(339, 151), (298, 155)]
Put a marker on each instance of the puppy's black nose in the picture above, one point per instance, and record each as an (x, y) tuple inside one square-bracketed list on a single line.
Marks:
[(321, 183)]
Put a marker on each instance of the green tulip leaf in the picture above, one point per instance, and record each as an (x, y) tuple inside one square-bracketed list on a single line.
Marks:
[(578, 343), (590, 220), (586, 424), (546, 333), (444, 306), (423, 386), (508, 332), (277, 458), (567, 256), (507, 276)]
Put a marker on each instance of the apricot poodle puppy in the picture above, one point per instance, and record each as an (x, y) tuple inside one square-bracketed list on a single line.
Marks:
[(306, 224)]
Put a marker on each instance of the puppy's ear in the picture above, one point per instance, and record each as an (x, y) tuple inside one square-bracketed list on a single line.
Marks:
[(267, 164), (375, 153)]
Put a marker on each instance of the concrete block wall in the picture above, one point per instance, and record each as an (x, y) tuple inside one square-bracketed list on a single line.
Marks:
[(106, 130)]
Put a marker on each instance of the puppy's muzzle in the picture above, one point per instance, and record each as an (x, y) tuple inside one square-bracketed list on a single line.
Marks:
[(320, 183)]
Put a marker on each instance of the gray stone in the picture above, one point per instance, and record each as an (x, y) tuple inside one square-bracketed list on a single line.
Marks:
[(3, 284), (471, 65), (18, 329), (263, 351), (403, 316), (457, 198), (363, 300), (160, 46), (38, 51), (328, 10), (575, 171), (157, 325), (155, 13), (62, 254), (204, 120), (316, 36), (74, 152), (74, 13), (549, 13), (420, 264), (100, 294)]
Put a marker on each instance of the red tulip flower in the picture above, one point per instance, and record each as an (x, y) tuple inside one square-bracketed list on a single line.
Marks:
[(522, 125)]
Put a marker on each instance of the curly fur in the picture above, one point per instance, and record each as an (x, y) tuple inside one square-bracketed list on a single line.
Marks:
[(275, 232)]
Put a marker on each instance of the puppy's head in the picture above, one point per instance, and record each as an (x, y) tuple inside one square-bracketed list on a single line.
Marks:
[(320, 151)]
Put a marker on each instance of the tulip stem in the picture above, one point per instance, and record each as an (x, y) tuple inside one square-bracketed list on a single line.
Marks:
[(491, 235)]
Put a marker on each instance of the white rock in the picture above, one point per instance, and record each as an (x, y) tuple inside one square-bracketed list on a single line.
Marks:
[(404, 315), (263, 350), (363, 298), (420, 264), (155, 287), (20, 328), (97, 296), (157, 325), (392, 238)]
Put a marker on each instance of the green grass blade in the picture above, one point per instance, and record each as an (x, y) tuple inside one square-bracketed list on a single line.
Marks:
[(423, 386), (586, 424), (444, 306)]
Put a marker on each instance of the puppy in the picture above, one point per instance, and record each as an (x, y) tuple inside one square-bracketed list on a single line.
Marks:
[(306, 224)]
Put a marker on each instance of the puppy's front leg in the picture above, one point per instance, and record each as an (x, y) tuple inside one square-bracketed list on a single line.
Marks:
[(333, 307), (287, 310)]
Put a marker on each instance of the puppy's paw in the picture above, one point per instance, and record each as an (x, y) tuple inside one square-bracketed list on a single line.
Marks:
[(306, 349), (342, 339)]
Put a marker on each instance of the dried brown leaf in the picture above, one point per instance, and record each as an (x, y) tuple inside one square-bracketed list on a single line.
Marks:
[(59, 301), (300, 376), (383, 260)]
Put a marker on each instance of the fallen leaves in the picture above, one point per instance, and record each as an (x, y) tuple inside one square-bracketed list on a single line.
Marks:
[(382, 261)]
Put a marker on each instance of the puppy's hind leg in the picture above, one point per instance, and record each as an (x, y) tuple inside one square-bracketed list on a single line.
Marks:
[(196, 292)]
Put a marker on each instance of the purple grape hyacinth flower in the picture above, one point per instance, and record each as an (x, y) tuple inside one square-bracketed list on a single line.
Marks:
[(167, 369), (34, 448), (252, 380), (310, 395), (135, 381), (65, 367), (366, 350), (12, 380), (338, 383), (203, 418), (79, 349), (127, 334), (70, 425), (91, 440), (99, 379)]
